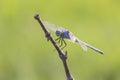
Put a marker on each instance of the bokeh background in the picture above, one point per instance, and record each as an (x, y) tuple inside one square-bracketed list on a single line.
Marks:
[(25, 53)]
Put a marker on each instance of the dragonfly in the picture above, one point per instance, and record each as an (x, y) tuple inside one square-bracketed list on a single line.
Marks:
[(62, 34)]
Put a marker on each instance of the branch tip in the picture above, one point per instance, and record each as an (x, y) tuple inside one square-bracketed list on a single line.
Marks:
[(36, 16)]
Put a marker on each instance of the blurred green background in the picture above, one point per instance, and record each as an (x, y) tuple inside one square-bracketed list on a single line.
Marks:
[(25, 53)]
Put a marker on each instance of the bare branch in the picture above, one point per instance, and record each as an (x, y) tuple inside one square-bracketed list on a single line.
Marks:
[(62, 55)]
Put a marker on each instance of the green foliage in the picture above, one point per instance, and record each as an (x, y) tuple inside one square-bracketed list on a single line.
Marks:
[(25, 53)]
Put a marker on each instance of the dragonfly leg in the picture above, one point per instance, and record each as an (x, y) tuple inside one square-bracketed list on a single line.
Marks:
[(61, 42), (58, 38), (65, 44), (58, 41)]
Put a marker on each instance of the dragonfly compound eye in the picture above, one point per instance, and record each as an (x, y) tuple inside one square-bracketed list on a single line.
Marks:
[(58, 33)]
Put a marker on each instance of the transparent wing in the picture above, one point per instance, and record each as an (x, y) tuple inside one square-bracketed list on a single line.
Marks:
[(74, 39), (52, 27)]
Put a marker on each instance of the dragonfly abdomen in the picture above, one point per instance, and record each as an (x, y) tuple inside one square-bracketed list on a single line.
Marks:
[(85, 45)]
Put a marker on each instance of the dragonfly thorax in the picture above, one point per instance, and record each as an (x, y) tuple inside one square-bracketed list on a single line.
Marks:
[(58, 33)]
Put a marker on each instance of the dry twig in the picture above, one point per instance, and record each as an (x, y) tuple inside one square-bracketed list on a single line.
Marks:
[(62, 55)]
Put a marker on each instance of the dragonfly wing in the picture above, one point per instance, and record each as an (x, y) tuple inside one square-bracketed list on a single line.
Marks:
[(74, 39), (50, 26), (53, 27), (85, 45)]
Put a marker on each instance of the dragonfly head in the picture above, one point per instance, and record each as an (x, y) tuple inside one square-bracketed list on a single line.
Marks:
[(58, 33)]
